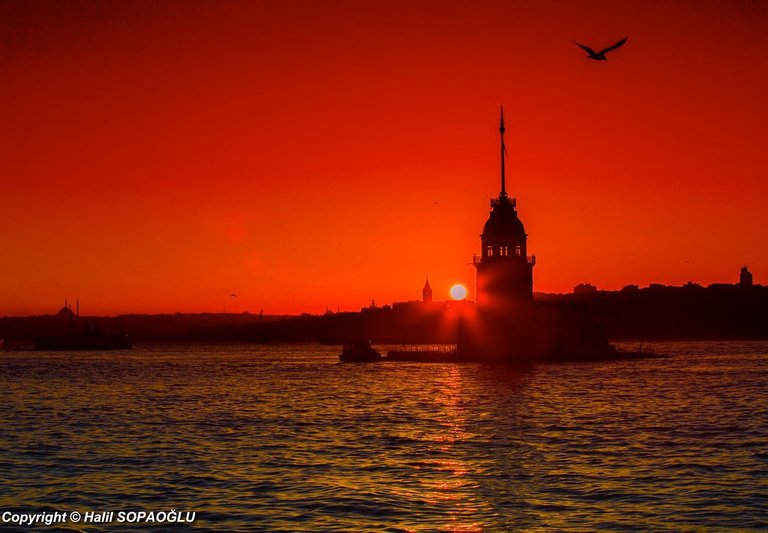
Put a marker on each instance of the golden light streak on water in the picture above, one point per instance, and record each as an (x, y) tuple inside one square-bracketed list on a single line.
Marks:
[(283, 438)]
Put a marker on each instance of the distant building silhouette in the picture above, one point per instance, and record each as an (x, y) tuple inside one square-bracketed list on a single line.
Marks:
[(66, 311), (584, 288), (745, 277), (504, 270), (426, 293)]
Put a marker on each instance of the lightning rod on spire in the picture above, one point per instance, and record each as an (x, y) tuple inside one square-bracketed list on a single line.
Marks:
[(503, 193)]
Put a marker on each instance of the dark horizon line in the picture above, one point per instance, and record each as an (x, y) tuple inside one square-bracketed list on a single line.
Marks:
[(582, 289)]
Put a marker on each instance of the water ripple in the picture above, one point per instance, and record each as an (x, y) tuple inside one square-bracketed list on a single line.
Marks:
[(283, 438)]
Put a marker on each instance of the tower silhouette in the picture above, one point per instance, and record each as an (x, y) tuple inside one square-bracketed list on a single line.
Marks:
[(426, 292), (745, 277), (504, 269)]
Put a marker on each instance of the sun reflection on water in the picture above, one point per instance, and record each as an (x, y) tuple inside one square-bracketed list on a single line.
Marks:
[(449, 484), (283, 438)]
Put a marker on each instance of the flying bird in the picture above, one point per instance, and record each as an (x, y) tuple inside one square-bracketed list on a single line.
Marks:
[(600, 56)]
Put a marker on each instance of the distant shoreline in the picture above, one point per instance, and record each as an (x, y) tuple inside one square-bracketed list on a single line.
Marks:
[(657, 312)]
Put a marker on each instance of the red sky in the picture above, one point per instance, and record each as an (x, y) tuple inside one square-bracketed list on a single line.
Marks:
[(157, 157)]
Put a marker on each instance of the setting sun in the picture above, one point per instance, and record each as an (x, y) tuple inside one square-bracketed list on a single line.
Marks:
[(458, 292)]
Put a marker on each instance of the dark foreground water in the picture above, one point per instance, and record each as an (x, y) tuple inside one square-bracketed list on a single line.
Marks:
[(282, 438)]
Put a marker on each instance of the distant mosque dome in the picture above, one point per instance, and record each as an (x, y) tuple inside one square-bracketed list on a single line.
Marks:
[(503, 222), (65, 312)]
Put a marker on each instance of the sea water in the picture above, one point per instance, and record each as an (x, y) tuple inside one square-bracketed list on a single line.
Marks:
[(285, 438)]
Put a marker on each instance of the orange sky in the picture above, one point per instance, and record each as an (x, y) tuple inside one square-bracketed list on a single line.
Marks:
[(157, 157)]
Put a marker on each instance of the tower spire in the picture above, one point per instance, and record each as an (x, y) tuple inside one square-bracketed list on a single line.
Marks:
[(503, 193)]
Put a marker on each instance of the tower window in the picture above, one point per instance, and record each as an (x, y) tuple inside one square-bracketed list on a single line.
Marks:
[(518, 250), (503, 250), (489, 251)]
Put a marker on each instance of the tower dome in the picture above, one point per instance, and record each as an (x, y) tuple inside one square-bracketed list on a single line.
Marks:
[(503, 221), (503, 234)]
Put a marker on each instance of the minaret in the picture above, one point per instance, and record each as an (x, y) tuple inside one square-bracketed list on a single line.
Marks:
[(426, 292), (504, 270)]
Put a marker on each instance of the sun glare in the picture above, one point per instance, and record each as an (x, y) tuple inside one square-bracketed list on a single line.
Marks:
[(458, 292)]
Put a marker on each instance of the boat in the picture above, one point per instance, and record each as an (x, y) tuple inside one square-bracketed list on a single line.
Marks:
[(359, 352), (92, 338)]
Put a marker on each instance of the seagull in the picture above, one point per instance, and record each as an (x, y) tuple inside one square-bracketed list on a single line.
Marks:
[(600, 56)]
